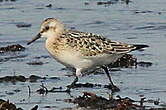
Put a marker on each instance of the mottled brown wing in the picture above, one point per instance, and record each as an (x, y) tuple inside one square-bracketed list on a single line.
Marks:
[(90, 44)]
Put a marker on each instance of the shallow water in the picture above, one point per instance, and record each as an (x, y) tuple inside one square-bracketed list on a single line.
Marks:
[(139, 22)]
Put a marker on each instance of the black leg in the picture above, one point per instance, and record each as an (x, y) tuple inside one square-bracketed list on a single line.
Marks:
[(72, 84), (113, 87)]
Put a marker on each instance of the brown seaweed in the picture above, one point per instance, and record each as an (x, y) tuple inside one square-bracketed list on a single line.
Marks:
[(91, 101), (20, 78), (6, 105), (12, 48)]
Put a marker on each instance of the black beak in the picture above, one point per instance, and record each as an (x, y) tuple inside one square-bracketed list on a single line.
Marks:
[(34, 39)]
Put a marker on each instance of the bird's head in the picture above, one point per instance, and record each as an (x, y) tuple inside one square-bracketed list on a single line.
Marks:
[(50, 27)]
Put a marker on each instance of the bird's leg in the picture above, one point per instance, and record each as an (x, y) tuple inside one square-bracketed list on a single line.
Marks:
[(72, 84), (78, 73), (113, 87)]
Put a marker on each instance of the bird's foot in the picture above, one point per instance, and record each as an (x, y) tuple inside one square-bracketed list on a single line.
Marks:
[(69, 87)]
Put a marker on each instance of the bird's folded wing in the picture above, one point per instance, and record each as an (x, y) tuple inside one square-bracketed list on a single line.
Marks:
[(90, 44)]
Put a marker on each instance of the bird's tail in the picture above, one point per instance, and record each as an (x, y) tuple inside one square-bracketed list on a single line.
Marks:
[(139, 46)]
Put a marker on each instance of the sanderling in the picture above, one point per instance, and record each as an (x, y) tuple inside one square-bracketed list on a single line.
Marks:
[(81, 50)]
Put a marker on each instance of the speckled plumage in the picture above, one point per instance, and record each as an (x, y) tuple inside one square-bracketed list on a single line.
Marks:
[(80, 50), (90, 44)]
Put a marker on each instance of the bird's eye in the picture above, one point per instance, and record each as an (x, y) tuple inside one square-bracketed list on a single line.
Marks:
[(47, 27)]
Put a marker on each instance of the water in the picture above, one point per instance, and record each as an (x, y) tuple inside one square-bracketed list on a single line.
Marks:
[(139, 22)]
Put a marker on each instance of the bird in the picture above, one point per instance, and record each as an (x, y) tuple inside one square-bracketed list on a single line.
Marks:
[(81, 50)]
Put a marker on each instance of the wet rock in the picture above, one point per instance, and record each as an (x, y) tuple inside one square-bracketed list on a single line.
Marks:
[(13, 48), (23, 25)]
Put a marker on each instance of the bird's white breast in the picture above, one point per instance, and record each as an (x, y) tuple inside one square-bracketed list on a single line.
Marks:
[(68, 56)]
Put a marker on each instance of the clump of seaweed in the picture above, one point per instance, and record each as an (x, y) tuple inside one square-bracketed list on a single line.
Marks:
[(127, 61), (12, 48), (6, 105), (20, 78), (92, 101)]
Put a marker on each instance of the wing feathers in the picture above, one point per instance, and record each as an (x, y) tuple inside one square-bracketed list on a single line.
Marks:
[(90, 44)]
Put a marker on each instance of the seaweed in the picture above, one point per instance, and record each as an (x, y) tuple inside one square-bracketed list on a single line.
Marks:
[(20, 78), (12, 48), (6, 105), (91, 101)]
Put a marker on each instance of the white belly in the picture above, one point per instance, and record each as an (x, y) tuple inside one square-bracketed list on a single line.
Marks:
[(71, 58), (75, 60)]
